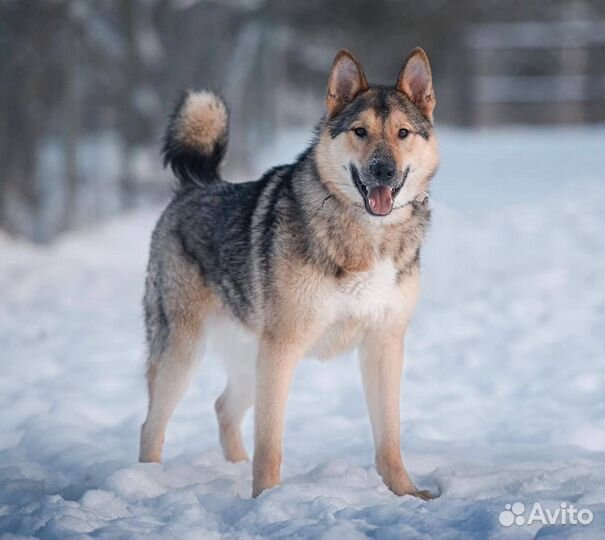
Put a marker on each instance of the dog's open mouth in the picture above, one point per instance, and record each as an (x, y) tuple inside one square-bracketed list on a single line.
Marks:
[(378, 200)]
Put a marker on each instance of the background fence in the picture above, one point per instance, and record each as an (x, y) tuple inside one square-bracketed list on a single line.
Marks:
[(86, 86)]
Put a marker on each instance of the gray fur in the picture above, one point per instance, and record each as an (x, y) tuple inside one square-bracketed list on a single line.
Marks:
[(231, 233), (300, 257)]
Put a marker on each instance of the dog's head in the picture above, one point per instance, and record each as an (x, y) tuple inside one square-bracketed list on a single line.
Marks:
[(377, 149)]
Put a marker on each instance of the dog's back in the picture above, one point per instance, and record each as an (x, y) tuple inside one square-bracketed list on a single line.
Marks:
[(223, 229)]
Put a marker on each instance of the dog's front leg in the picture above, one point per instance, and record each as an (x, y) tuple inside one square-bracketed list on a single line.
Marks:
[(381, 366), (275, 365)]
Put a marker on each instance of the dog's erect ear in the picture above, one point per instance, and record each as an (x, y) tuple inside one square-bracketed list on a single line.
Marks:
[(416, 82), (346, 81)]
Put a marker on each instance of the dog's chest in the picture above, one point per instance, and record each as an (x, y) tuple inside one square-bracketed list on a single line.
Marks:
[(364, 294)]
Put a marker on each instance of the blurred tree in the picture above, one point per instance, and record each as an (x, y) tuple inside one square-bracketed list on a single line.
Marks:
[(87, 86)]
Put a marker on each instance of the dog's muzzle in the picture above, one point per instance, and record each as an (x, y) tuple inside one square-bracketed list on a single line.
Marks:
[(378, 193)]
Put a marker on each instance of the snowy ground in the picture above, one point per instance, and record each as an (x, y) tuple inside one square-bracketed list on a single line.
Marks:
[(503, 394)]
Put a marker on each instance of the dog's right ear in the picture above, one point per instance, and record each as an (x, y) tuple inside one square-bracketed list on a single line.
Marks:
[(346, 81)]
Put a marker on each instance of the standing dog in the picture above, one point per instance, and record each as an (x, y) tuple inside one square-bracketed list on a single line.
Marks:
[(315, 258)]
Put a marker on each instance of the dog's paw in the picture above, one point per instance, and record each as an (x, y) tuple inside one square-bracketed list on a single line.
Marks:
[(404, 486), (424, 494)]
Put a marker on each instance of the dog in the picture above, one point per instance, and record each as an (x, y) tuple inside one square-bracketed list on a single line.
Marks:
[(316, 258)]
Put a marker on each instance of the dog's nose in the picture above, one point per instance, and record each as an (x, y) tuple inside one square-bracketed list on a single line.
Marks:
[(383, 170)]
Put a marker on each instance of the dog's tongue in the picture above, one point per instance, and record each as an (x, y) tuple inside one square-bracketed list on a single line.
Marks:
[(380, 199)]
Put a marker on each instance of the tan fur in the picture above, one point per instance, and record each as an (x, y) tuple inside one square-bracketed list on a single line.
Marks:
[(417, 67), (277, 359), (229, 428), (381, 367), (365, 300), (202, 120), (334, 155), (357, 247), (346, 81), (188, 304), (362, 148)]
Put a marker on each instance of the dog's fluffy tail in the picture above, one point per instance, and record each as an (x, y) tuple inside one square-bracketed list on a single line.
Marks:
[(196, 138)]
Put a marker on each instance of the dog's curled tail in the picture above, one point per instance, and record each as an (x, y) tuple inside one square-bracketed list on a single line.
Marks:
[(196, 138)]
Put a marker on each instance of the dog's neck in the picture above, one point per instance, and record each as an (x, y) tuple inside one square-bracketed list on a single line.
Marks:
[(353, 239)]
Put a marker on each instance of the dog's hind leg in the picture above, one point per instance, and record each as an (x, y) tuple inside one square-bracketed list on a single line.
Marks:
[(174, 335), (168, 375), (231, 406), (167, 379)]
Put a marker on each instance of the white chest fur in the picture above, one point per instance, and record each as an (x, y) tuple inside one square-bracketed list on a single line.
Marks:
[(363, 299), (345, 308), (365, 294)]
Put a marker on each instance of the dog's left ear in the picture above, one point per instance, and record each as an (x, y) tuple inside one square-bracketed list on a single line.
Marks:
[(346, 81), (416, 82)]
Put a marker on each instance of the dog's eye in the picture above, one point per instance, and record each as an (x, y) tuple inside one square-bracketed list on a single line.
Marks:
[(403, 133), (361, 132)]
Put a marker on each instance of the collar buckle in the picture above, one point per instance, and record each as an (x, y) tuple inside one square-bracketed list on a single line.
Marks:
[(421, 200)]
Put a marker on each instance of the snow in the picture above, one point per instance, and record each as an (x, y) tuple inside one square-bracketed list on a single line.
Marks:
[(502, 395)]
